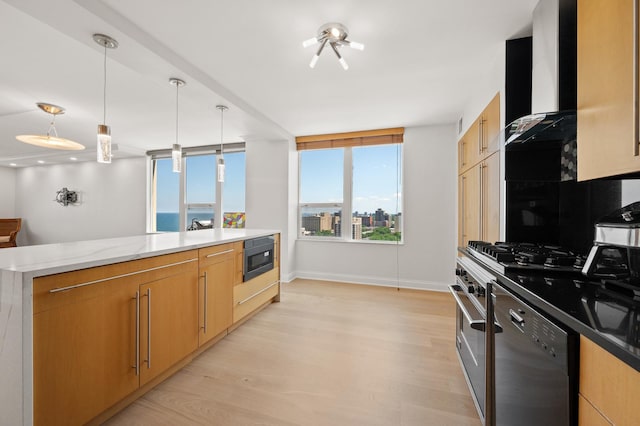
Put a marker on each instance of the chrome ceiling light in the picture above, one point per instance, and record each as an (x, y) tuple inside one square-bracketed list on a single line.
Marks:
[(176, 150), (222, 109), (336, 35), (104, 132), (51, 139)]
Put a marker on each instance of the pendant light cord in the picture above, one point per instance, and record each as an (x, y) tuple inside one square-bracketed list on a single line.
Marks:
[(221, 132), (177, 88), (104, 94)]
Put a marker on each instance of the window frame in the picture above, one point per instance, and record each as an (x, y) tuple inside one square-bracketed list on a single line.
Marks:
[(347, 198), (183, 206)]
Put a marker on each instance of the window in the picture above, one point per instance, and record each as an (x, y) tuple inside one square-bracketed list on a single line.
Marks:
[(364, 178), (204, 198)]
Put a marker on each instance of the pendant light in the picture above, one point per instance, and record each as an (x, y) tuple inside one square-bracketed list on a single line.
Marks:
[(222, 109), (176, 150), (104, 132), (51, 139)]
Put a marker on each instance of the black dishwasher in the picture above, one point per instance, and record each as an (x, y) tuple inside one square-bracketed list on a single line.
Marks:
[(534, 366)]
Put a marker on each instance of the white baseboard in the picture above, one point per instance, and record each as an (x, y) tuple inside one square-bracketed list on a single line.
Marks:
[(379, 281)]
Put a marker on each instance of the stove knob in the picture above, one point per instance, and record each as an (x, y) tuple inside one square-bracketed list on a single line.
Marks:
[(461, 272), (471, 289), (480, 291)]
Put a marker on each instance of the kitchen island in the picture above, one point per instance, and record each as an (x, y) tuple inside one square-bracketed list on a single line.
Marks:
[(101, 266)]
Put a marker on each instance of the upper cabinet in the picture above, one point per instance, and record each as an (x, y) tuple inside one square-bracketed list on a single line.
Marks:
[(607, 116), (479, 178), (482, 138)]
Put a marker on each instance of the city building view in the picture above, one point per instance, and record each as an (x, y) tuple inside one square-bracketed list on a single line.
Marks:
[(378, 225)]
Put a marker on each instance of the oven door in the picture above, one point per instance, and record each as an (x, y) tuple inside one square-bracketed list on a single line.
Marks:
[(470, 344)]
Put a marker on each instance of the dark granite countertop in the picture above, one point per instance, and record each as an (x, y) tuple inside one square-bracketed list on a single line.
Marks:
[(606, 317)]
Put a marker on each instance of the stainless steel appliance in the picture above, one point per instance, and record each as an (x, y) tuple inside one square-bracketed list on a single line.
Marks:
[(533, 370), (472, 335), (258, 256), (530, 362)]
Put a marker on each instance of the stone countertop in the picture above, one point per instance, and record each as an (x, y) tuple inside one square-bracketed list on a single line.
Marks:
[(50, 259)]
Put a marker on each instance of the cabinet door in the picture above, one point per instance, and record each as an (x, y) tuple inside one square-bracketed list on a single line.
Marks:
[(610, 385), (607, 115), (468, 148), (84, 351), (588, 415), (490, 127), (168, 321), (216, 292), (490, 192), (469, 206)]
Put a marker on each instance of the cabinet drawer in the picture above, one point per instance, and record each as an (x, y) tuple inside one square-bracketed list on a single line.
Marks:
[(72, 287), (610, 385), (250, 295), (214, 254)]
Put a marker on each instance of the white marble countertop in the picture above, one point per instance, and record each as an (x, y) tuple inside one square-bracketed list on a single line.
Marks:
[(50, 259)]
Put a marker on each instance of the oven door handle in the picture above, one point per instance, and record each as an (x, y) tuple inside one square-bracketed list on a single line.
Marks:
[(476, 324)]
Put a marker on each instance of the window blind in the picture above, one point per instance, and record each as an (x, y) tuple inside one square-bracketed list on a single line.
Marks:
[(343, 140)]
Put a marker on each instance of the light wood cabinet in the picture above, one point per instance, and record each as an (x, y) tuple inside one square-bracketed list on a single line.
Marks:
[(218, 275), (169, 322), (91, 333), (479, 178), (607, 114), (482, 138), (250, 295), (609, 388), (479, 202), (469, 206)]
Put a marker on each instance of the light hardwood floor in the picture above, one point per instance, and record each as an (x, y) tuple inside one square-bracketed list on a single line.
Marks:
[(328, 354)]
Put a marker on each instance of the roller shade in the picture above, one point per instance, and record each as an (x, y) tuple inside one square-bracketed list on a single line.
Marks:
[(342, 140)]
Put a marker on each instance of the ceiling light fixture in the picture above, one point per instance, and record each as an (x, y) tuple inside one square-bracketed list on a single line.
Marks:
[(104, 132), (51, 139), (222, 109), (336, 35), (176, 150)]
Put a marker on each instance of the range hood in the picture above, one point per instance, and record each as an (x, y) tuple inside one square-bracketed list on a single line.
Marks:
[(541, 147), (549, 126)]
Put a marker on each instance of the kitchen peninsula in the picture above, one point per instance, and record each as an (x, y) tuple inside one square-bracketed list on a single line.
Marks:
[(77, 316)]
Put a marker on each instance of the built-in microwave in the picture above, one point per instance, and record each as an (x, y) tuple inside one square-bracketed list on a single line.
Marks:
[(258, 256)]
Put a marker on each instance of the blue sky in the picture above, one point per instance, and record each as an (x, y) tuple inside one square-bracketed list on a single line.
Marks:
[(375, 177), (201, 182)]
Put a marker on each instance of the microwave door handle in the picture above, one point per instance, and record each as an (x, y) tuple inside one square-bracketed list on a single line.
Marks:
[(475, 324)]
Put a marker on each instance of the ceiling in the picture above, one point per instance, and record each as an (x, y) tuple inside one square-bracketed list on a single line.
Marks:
[(421, 61)]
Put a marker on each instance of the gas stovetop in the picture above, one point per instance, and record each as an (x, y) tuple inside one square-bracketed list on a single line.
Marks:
[(506, 256)]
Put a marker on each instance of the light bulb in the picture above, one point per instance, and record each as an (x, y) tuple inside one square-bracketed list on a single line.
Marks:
[(343, 63), (104, 144), (176, 158), (356, 45), (221, 170), (310, 42), (335, 32), (314, 61)]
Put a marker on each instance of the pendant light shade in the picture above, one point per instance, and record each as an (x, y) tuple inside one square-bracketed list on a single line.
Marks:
[(51, 139), (222, 109), (176, 150), (103, 148)]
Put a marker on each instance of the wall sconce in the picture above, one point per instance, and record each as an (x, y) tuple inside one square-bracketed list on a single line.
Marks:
[(66, 197)]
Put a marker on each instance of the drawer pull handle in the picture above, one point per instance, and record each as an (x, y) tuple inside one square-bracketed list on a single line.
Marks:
[(56, 290), (258, 293), (219, 253)]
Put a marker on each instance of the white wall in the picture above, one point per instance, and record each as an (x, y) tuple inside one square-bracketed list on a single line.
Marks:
[(7, 192), (271, 182), (426, 260), (112, 201)]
